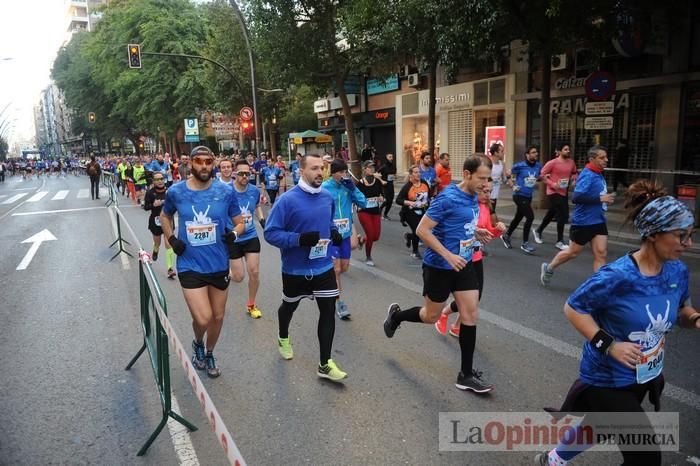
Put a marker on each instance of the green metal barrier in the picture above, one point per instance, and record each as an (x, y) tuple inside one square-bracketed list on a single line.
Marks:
[(155, 341)]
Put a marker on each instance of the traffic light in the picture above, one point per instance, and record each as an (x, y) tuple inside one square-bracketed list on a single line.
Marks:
[(134, 55), (247, 126), (91, 117)]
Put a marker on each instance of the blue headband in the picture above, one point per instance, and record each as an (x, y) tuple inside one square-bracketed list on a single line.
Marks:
[(663, 214)]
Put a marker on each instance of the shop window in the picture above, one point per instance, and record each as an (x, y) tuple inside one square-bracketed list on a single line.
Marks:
[(481, 93), (409, 103), (460, 139), (482, 119), (642, 128), (690, 142)]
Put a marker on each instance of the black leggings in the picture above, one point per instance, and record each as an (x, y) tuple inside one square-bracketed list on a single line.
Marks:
[(620, 400), (388, 197), (413, 220), (326, 324), (273, 195), (524, 210), (559, 208)]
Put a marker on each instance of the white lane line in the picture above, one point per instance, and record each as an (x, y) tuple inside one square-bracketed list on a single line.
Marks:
[(3, 195), (57, 211), (83, 193), (38, 196), (14, 198), (678, 394), (60, 195)]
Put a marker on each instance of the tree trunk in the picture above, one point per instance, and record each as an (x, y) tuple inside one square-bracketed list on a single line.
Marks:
[(273, 145), (432, 84), (349, 127)]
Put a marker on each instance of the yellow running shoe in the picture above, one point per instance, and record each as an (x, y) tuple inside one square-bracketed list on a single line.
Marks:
[(285, 347), (331, 372), (254, 312)]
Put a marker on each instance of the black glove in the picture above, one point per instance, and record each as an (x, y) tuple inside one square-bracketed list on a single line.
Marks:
[(177, 245), (230, 237), (262, 223), (348, 183), (336, 238), (310, 238)]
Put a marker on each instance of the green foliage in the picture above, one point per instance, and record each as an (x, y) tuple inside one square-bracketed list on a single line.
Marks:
[(297, 112), (3, 147)]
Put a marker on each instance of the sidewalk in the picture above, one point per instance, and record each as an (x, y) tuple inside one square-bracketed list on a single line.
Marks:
[(617, 229)]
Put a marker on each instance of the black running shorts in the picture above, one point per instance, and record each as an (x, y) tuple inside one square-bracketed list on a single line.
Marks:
[(438, 284), (583, 234), (153, 228), (298, 287), (192, 280), (238, 250)]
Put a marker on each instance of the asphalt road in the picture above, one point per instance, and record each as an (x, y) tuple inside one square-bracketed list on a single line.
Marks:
[(71, 323)]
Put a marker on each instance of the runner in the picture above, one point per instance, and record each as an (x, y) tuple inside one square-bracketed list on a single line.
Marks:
[(226, 172), (477, 259), (443, 172), (270, 177), (153, 202), (140, 181), (558, 173), (388, 172), (414, 199), (427, 171), (588, 225), (449, 230), (498, 173), (301, 225), (344, 194), (295, 169), (526, 173), (248, 245), (204, 208), (371, 186), (624, 311)]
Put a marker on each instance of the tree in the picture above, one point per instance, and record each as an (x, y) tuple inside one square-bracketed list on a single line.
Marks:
[(3, 148)]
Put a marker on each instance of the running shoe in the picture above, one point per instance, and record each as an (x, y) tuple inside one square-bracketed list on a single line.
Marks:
[(527, 248), (284, 345), (389, 324), (441, 324), (254, 312), (213, 370), (171, 274), (369, 262), (454, 331), (545, 274), (331, 371), (506, 241), (416, 255), (473, 382), (341, 309), (407, 238), (154, 255), (198, 358), (386, 217), (538, 237), (561, 246)]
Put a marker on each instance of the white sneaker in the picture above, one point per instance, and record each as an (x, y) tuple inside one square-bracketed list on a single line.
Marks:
[(369, 262), (537, 236), (561, 246)]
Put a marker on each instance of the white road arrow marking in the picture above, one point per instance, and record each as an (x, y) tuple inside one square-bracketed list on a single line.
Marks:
[(36, 240)]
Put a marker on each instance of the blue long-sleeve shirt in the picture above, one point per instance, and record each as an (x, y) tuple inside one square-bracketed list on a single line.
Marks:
[(526, 176), (588, 209), (344, 198), (294, 213)]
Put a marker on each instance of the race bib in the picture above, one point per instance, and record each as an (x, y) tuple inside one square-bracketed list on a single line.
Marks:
[(247, 220), (466, 248), (201, 235), (530, 181), (652, 363), (342, 224), (372, 202), (320, 250), (390, 177), (272, 181), (564, 183), (156, 220)]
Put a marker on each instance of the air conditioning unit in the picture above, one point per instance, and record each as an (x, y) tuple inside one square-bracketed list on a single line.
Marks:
[(559, 62), (413, 80)]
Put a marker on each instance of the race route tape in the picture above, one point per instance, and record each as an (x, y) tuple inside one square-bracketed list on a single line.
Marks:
[(217, 424)]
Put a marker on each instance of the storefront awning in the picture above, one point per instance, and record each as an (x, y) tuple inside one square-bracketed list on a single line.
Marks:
[(310, 137)]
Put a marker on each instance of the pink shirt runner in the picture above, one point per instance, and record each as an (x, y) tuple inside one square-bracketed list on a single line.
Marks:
[(560, 174)]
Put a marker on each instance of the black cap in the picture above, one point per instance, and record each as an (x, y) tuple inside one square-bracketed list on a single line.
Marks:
[(338, 165), (367, 163)]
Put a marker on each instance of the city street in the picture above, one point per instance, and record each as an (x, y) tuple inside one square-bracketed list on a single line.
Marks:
[(71, 324)]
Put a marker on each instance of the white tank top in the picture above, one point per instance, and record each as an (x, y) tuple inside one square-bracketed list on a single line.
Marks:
[(497, 176)]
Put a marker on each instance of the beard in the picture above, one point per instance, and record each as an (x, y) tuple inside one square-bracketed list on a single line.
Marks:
[(202, 175), (316, 182)]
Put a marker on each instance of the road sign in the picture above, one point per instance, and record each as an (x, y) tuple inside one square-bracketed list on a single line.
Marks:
[(36, 240), (598, 122), (600, 85), (191, 130), (600, 108), (246, 113)]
